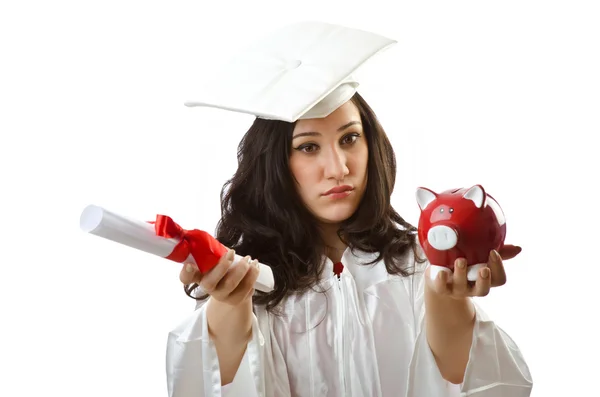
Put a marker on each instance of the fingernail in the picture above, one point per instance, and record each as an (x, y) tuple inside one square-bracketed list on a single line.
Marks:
[(442, 276), (256, 264), (230, 254), (461, 263), (497, 255), (485, 272), (189, 268)]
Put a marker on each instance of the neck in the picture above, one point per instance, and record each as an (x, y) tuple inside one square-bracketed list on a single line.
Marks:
[(334, 246)]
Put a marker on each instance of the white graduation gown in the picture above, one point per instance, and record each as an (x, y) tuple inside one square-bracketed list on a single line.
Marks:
[(363, 337)]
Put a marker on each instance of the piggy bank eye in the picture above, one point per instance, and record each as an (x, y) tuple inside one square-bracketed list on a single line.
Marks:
[(441, 210), (451, 210)]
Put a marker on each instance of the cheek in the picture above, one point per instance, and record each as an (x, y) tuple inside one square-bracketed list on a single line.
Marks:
[(361, 163), (302, 172)]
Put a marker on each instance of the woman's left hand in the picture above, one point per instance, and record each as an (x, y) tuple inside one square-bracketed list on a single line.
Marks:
[(458, 287)]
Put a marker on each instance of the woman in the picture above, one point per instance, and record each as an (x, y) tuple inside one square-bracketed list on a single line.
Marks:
[(353, 312)]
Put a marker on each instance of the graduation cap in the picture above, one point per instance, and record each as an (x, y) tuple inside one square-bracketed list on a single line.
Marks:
[(301, 71)]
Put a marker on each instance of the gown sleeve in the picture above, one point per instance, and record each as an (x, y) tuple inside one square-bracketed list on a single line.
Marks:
[(192, 364), (496, 366)]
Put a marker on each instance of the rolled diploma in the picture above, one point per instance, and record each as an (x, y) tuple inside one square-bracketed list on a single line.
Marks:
[(142, 236)]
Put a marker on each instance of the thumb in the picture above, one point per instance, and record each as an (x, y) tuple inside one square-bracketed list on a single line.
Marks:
[(190, 274)]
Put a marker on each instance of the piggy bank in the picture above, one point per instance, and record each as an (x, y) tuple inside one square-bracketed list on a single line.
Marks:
[(459, 223)]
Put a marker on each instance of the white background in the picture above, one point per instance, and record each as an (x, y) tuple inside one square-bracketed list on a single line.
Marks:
[(505, 94)]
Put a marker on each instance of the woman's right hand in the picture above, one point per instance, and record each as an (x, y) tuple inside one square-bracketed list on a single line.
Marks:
[(229, 310), (227, 282)]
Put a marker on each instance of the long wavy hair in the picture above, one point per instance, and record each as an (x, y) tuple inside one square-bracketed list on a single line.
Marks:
[(263, 216)]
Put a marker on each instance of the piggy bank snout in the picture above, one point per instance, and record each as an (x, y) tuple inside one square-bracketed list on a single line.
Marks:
[(442, 237)]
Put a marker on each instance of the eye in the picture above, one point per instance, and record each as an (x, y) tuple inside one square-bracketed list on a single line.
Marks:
[(441, 210), (307, 148), (350, 139), (451, 210)]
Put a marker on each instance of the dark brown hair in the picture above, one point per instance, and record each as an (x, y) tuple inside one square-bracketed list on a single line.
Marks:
[(263, 216)]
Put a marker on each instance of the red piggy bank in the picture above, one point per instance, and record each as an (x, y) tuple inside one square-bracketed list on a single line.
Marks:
[(459, 223)]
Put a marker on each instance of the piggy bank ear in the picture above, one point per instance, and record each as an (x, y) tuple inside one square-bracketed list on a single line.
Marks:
[(425, 197), (477, 195)]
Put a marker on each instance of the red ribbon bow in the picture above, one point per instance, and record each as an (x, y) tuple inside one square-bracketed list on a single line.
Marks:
[(203, 247)]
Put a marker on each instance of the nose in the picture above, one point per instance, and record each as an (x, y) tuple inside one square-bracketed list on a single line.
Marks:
[(442, 237), (335, 165)]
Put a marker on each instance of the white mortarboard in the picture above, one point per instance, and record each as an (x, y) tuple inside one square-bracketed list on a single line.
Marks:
[(301, 71)]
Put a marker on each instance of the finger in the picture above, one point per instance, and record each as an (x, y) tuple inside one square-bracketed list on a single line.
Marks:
[(232, 279), (460, 285), (245, 288), (483, 283), (509, 251), (211, 280), (190, 274), (441, 284), (498, 275)]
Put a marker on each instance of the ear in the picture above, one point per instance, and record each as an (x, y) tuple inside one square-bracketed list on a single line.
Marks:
[(477, 195), (425, 197)]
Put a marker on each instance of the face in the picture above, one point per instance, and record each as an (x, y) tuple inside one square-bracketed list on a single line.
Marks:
[(329, 162)]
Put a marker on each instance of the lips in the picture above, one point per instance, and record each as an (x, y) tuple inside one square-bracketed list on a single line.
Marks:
[(338, 189)]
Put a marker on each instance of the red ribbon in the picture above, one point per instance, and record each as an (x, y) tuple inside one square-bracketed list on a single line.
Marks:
[(203, 247)]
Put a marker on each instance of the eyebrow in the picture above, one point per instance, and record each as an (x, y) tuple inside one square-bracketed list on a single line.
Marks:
[(314, 133)]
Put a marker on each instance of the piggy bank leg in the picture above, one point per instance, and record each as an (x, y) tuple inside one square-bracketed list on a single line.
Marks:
[(435, 270), (473, 271)]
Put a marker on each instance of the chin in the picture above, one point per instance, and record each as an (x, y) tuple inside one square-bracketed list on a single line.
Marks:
[(337, 216), (332, 221)]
